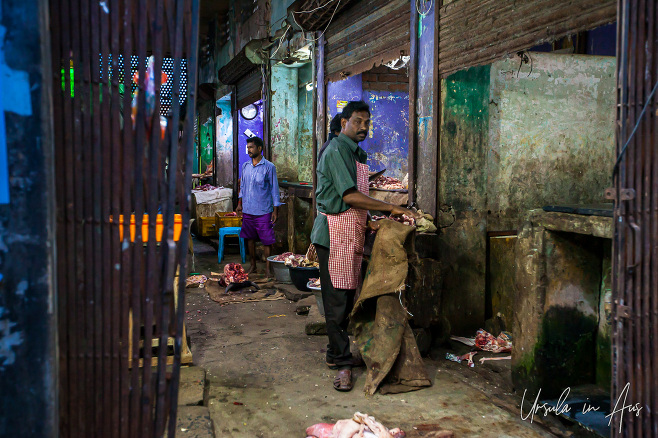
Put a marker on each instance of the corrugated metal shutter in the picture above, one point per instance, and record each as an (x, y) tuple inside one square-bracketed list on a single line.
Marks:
[(249, 88), (497, 28), (318, 19), (367, 34)]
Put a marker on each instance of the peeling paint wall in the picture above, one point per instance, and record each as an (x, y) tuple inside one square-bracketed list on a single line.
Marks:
[(224, 143), (387, 143), (348, 89), (513, 141), (256, 127), (279, 11), (28, 300), (305, 124), (284, 121), (552, 133), (464, 141), (206, 126), (426, 160)]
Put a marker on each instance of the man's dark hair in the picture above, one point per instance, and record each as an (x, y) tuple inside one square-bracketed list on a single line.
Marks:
[(354, 106), (335, 124), (256, 140)]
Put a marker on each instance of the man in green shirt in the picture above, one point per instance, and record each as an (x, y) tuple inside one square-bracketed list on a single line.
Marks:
[(339, 231)]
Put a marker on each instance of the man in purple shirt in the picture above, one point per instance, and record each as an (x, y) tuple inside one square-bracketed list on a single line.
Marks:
[(258, 202)]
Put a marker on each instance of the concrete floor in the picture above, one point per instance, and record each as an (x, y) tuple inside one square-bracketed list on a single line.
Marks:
[(268, 379)]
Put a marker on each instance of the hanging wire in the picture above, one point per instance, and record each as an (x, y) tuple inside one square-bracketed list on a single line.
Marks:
[(281, 41), (313, 10), (424, 13), (637, 124), (325, 29)]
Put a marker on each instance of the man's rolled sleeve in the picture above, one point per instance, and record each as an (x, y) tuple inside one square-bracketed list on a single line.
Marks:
[(338, 170), (276, 194)]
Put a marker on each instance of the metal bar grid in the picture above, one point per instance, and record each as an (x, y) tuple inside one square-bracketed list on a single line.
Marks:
[(115, 157), (635, 282)]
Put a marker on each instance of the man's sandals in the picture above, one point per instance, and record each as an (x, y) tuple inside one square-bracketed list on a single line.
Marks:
[(343, 380)]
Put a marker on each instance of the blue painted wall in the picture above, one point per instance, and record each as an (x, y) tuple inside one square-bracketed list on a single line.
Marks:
[(255, 126), (387, 143), (348, 89), (224, 143), (427, 143)]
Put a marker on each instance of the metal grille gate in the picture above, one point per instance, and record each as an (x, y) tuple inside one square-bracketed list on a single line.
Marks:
[(635, 282), (113, 159)]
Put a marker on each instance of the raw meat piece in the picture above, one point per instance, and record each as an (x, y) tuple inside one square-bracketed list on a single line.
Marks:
[(282, 257), (347, 429), (320, 430), (195, 280), (297, 260), (235, 273), (487, 342), (386, 183), (377, 428), (359, 426), (205, 188), (404, 219)]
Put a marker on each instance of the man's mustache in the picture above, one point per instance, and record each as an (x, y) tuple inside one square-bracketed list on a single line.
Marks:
[(363, 132)]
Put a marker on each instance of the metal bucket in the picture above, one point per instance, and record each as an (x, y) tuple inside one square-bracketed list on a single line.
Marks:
[(281, 271)]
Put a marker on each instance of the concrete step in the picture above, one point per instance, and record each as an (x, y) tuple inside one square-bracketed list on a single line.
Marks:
[(191, 390), (291, 292)]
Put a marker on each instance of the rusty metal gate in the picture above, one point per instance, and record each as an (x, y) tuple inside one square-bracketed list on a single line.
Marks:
[(123, 144), (635, 283)]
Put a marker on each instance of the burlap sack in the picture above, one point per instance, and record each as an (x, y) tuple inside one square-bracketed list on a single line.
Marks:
[(381, 327)]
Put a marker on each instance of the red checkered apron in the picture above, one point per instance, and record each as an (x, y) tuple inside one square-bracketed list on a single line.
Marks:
[(347, 232)]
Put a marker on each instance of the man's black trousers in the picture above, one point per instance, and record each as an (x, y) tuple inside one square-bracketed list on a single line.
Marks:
[(337, 307)]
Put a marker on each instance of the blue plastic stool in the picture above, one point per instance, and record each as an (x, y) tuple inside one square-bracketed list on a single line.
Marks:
[(230, 231)]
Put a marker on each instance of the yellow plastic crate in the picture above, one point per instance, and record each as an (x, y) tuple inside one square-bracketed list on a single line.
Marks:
[(221, 220), (207, 227)]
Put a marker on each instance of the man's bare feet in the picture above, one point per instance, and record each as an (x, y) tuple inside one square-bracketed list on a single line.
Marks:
[(252, 270), (269, 274)]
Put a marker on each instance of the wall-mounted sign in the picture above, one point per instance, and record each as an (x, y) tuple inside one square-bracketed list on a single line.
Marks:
[(340, 105)]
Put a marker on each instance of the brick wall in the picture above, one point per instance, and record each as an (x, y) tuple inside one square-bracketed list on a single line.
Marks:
[(383, 78)]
